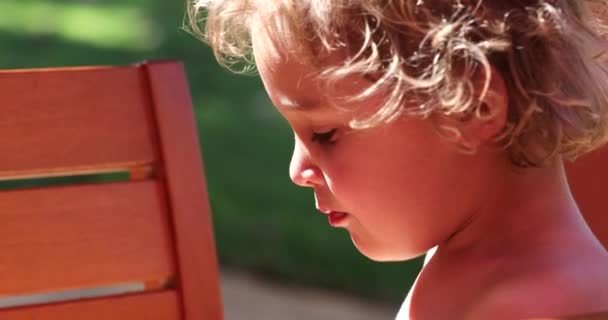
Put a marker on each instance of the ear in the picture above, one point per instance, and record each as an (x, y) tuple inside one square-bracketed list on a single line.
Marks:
[(480, 127), (492, 113)]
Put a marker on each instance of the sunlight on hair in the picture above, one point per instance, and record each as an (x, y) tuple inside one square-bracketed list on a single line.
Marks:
[(551, 56), (101, 25)]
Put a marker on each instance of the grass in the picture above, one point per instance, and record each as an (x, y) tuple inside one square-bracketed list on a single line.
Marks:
[(262, 222), (110, 26)]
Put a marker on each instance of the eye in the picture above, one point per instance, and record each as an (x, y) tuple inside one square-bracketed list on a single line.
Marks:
[(324, 138)]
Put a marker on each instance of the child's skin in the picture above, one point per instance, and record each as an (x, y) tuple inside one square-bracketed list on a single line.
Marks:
[(511, 242)]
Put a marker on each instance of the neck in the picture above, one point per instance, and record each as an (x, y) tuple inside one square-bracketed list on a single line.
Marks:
[(522, 210), (528, 218)]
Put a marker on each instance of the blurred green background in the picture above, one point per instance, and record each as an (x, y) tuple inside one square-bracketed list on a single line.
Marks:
[(263, 223)]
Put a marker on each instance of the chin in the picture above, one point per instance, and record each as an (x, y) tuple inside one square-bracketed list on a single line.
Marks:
[(379, 253)]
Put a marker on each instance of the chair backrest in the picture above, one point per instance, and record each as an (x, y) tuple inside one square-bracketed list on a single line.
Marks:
[(588, 176), (137, 248), (588, 179)]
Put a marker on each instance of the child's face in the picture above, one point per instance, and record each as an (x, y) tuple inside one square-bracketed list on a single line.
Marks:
[(404, 188)]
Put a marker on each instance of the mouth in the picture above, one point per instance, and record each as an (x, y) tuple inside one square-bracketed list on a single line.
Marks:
[(336, 218)]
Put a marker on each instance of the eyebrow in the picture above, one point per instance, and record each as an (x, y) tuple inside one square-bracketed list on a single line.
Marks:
[(298, 104)]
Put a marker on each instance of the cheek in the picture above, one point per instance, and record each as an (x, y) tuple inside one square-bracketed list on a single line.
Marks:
[(387, 163), (392, 188), (409, 179), (375, 177)]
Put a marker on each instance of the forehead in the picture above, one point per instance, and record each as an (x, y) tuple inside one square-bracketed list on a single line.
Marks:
[(289, 82), (294, 83)]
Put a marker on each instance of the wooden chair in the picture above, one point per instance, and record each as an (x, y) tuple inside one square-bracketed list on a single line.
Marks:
[(588, 179), (145, 244)]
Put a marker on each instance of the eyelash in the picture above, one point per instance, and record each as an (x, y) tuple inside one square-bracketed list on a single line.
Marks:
[(324, 138)]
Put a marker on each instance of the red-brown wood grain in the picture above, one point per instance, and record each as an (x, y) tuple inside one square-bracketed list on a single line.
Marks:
[(83, 236), (588, 179), (198, 270), (75, 120), (155, 229), (147, 306)]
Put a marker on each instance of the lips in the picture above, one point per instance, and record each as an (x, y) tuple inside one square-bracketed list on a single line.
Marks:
[(336, 218)]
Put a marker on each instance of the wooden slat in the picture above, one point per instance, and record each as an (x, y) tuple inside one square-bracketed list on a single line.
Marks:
[(182, 162), (83, 236), (71, 295), (74, 120), (150, 306), (587, 177)]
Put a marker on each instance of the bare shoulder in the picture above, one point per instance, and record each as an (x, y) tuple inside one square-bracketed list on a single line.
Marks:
[(575, 287)]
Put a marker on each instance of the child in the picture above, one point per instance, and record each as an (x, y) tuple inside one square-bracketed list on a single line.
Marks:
[(441, 124)]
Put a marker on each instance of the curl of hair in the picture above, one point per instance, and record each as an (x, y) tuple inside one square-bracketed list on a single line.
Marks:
[(438, 56)]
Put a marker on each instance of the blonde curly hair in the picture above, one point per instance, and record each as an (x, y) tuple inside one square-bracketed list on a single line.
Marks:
[(552, 55)]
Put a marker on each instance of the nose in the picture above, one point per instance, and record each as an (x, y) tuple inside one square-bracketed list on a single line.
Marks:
[(302, 170)]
